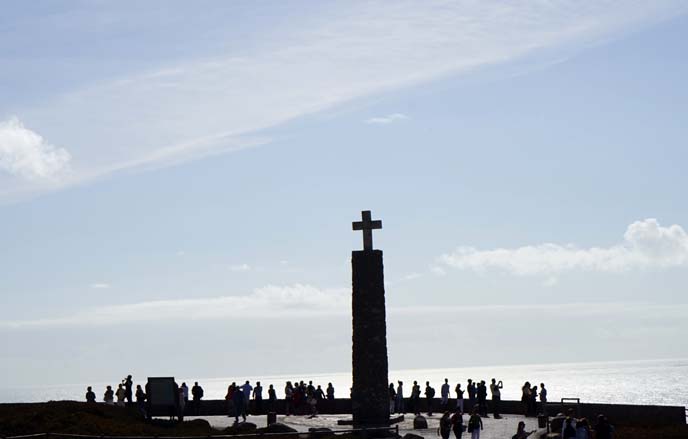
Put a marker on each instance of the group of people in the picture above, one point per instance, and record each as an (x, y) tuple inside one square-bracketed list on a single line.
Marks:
[(529, 397), (475, 391), (299, 398), (574, 428), (125, 395)]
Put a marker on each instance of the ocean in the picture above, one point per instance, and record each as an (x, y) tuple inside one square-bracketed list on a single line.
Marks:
[(654, 382)]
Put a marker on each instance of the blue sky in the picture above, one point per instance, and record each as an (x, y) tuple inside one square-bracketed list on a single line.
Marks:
[(191, 171)]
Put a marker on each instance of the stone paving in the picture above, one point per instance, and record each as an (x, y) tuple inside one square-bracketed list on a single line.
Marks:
[(503, 428)]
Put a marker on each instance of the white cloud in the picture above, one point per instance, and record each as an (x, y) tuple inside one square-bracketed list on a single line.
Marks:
[(240, 267), (159, 117), (24, 153), (646, 245), (267, 302), (411, 276), (100, 285), (384, 120)]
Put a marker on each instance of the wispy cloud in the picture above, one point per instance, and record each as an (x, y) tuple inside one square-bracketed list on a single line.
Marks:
[(188, 109), (25, 154), (240, 267), (384, 120), (267, 302), (100, 286), (646, 245)]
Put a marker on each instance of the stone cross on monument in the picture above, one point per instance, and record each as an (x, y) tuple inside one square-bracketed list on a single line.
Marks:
[(367, 225), (369, 393)]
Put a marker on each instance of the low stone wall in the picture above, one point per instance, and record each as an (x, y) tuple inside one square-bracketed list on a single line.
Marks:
[(619, 414)]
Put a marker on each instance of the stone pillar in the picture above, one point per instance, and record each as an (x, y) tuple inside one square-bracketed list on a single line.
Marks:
[(370, 397)]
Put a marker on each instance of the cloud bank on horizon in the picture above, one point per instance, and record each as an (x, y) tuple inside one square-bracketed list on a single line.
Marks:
[(191, 108), (646, 245)]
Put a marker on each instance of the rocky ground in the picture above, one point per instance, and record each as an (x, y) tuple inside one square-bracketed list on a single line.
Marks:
[(99, 419)]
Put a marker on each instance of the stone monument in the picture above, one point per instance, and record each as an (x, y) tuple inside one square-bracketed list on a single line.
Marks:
[(370, 397)]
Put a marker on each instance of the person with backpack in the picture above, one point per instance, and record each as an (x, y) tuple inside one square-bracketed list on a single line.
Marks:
[(445, 427), (457, 423), (429, 395), (475, 424)]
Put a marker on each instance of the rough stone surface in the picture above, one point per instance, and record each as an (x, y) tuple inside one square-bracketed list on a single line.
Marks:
[(370, 402), (420, 423), (277, 427)]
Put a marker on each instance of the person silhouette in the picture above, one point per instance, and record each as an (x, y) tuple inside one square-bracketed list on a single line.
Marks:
[(109, 396), (128, 384), (90, 395)]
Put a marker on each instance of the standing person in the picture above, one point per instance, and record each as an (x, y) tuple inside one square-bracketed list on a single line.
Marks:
[(141, 400), (582, 428), (543, 399), (229, 397), (185, 392), (258, 398), (246, 388), (445, 426), (128, 384), (495, 388), (525, 397), (319, 394), (272, 398), (400, 398), (330, 392), (457, 424), (475, 424), (197, 395), (533, 400), (238, 399), (429, 395), (90, 395), (482, 399), (568, 431), (471, 393), (109, 396), (444, 393), (288, 398), (459, 397), (415, 398), (311, 399), (120, 394), (392, 398), (603, 429), (182, 403), (521, 432)]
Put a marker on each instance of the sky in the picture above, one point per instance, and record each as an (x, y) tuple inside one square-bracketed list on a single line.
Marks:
[(178, 182)]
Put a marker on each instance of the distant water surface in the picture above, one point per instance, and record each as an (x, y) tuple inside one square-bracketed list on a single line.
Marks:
[(654, 382)]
